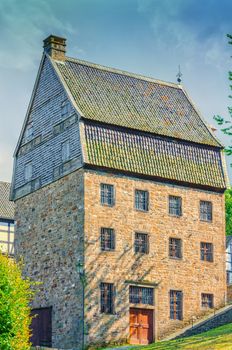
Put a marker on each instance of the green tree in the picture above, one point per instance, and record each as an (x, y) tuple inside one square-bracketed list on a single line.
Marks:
[(228, 198), (226, 128), (15, 294), (226, 124)]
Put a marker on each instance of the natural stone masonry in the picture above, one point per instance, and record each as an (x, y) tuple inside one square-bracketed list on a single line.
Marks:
[(190, 274), (50, 239), (219, 319)]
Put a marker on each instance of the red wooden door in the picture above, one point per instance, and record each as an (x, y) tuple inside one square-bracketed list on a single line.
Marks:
[(141, 326)]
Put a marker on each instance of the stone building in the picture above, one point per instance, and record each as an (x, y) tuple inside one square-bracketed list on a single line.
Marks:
[(119, 191), (6, 220)]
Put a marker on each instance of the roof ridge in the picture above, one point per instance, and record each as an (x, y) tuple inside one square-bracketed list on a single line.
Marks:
[(122, 72)]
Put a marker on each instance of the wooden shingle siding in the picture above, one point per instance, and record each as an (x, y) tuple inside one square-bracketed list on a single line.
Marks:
[(44, 150), (111, 147)]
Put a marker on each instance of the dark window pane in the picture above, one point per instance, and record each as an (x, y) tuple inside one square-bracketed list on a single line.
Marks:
[(206, 251), (207, 300), (107, 298), (141, 243), (141, 200), (175, 206), (176, 305), (141, 295), (205, 211), (107, 194), (175, 248), (107, 239)]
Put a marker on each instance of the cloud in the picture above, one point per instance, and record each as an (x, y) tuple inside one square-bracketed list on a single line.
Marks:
[(23, 24), (184, 28)]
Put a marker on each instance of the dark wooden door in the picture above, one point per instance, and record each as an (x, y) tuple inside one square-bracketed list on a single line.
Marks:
[(41, 327), (141, 326)]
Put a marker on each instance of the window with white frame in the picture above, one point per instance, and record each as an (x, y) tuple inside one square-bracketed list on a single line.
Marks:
[(28, 171), (65, 151)]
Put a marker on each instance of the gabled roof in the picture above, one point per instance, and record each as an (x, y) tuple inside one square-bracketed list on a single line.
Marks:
[(128, 100), (6, 207)]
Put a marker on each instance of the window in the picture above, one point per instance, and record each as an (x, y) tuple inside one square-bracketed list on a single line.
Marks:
[(175, 206), (206, 251), (175, 248), (229, 262), (7, 236), (141, 295), (107, 194), (176, 305), (205, 211), (65, 151), (141, 243), (107, 298), (28, 171), (65, 108), (141, 200), (207, 301), (29, 132), (107, 239)]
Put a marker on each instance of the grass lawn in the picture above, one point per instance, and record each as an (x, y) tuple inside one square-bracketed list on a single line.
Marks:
[(215, 339)]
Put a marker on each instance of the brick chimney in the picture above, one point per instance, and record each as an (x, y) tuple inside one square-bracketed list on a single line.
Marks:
[(55, 47)]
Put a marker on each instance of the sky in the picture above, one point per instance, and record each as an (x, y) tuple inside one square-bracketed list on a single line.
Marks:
[(149, 37)]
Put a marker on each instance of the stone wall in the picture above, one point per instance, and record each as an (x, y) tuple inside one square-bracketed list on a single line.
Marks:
[(218, 320), (190, 275), (49, 237)]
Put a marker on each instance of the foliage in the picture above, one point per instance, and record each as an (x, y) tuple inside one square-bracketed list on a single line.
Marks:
[(15, 294), (215, 339), (226, 125), (228, 199)]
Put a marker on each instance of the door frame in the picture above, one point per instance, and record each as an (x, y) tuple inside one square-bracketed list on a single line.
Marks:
[(145, 307)]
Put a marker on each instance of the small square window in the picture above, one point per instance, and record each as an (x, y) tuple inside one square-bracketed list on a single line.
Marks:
[(141, 243), (28, 171), (141, 200), (176, 305), (66, 108), (141, 295), (29, 132), (175, 248), (206, 251), (207, 301), (206, 211), (107, 298), (175, 206), (107, 239), (65, 151), (107, 194)]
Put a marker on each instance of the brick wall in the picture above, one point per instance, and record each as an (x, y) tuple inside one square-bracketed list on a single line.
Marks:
[(49, 236), (190, 274)]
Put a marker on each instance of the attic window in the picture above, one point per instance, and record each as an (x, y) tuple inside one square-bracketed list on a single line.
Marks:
[(29, 132), (28, 172), (66, 108), (65, 150)]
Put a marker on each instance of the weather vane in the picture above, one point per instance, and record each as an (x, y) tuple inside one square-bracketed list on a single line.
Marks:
[(179, 75)]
